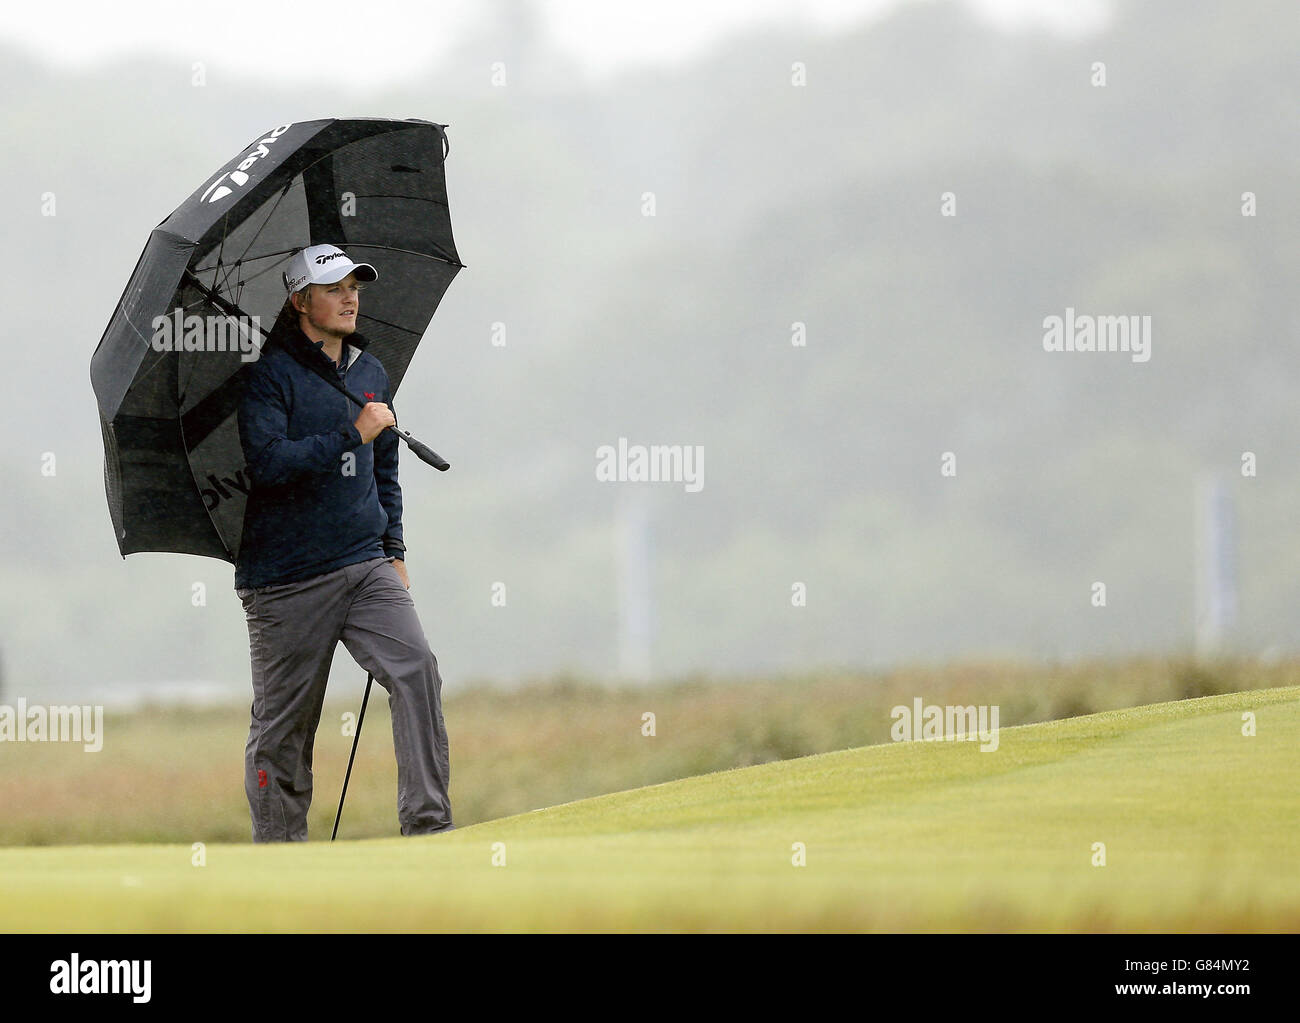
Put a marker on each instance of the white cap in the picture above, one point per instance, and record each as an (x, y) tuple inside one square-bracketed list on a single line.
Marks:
[(324, 264)]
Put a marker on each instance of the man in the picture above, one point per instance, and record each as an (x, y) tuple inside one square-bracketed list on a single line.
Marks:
[(322, 557)]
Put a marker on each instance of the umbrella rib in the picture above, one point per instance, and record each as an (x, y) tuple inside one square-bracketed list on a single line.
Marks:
[(252, 241), (251, 277), (393, 195), (388, 323), (225, 281), (248, 259), (211, 294), (260, 273), (440, 257), (161, 356)]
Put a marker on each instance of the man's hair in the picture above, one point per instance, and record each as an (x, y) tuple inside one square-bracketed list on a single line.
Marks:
[(288, 315), (286, 320)]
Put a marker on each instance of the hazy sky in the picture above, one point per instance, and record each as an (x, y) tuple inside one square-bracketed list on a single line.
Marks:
[(384, 40)]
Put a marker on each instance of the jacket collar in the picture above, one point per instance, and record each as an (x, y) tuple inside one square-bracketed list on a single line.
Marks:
[(354, 345)]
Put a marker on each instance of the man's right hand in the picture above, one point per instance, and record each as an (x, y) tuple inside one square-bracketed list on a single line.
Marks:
[(374, 419)]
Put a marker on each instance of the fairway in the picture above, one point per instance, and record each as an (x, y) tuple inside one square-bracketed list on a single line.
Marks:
[(1200, 824)]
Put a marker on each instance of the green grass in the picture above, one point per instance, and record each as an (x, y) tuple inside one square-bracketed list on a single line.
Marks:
[(1201, 826)]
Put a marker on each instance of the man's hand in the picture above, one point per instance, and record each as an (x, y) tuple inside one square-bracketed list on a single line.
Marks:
[(374, 419), (401, 572)]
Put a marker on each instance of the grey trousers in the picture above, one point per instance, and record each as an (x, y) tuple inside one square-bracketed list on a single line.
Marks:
[(293, 629)]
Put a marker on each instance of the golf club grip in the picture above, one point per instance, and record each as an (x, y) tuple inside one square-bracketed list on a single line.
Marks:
[(424, 452)]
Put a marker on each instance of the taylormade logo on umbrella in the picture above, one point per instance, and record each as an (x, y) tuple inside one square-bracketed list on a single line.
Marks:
[(239, 176)]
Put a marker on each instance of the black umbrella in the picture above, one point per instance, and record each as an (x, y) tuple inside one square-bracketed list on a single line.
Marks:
[(168, 395)]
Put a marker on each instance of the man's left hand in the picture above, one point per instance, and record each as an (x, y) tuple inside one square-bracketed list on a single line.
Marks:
[(401, 572)]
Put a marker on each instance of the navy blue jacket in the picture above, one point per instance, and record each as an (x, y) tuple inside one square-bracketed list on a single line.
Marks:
[(310, 509)]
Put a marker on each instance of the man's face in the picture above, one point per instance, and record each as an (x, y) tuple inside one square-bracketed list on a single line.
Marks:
[(333, 308)]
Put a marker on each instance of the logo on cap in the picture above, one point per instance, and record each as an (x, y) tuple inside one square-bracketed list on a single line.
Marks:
[(312, 265)]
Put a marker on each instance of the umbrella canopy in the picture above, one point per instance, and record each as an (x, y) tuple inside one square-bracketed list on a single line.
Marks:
[(209, 285)]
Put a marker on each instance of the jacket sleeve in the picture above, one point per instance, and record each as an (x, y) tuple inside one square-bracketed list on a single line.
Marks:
[(390, 492), (273, 458)]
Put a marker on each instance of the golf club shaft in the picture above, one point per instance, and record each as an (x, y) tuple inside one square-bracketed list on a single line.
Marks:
[(355, 739)]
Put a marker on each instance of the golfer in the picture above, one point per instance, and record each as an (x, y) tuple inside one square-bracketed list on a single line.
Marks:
[(322, 557)]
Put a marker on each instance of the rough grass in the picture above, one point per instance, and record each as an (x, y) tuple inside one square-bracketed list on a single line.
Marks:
[(1200, 826), (176, 775)]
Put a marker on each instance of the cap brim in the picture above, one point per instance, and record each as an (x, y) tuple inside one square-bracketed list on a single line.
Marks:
[(364, 272)]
